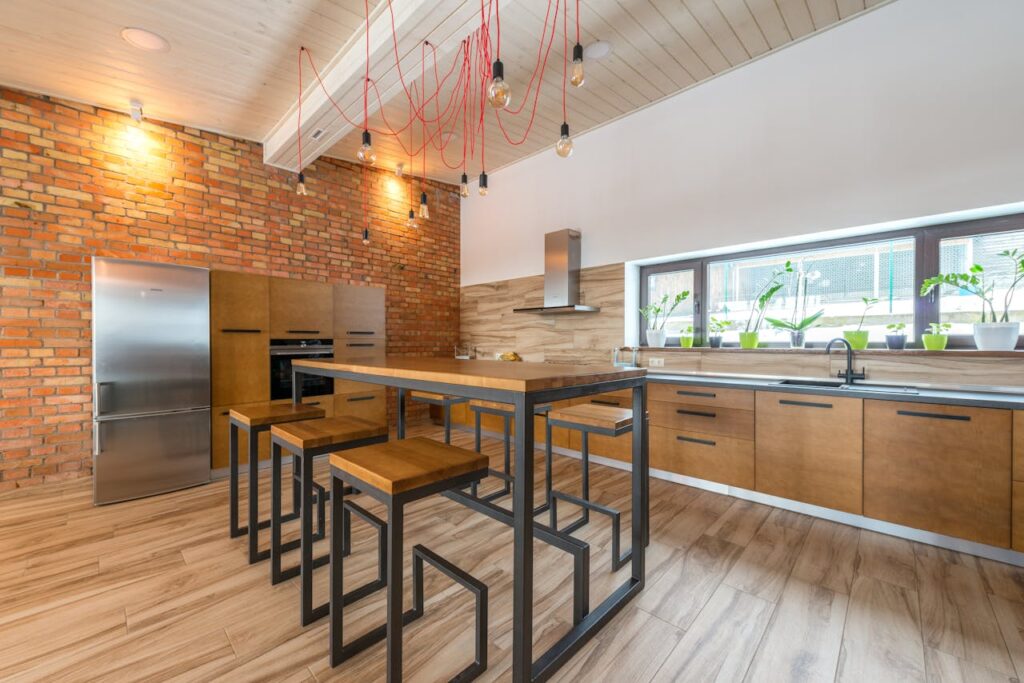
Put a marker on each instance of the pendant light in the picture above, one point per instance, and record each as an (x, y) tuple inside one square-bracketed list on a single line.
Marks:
[(498, 93), (366, 154), (412, 223), (300, 187), (564, 145), (366, 236), (483, 184), (424, 210), (464, 186), (576, 77)]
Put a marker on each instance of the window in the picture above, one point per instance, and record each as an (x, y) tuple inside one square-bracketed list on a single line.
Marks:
[(957, 255), (835, 276), (834, 280)]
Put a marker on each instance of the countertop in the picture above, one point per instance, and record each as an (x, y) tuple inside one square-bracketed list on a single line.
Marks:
[(1006, 398)]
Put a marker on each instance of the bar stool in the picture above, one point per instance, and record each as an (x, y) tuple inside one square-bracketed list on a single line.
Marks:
[(588, 419), (507, 412), (254, 421), (396, 474), (445, 401), (304, 441)]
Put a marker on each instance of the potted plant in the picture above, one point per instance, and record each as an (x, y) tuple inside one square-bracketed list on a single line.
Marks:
[(717, 327), (858, 338), (937, 340), (797, 329), (686, 337), (994, 332), (657, 314), (897, 338), (749, 337)]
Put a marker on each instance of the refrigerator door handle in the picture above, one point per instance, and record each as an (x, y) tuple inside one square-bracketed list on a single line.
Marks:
[(98, 396), (97, 439)]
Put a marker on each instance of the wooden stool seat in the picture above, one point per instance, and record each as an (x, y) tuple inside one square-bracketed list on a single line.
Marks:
[(312, 434), (505, 407), (592, 415), (400, 466), (271, 414)]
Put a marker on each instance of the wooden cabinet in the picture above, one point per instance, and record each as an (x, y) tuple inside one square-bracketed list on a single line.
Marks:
[(359, 349), (239, 337), (940, 468), (721, 459), (300, 309), (704, 419), (1017, 542), (1018, 445), (370, 404), (359, 311), (714, 397), (219, 438), (809, 448)]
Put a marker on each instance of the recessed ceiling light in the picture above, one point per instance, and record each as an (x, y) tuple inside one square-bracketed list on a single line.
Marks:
[(144, 40), (597, 51)]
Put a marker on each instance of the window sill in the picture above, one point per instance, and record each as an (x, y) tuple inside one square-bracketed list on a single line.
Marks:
[(972, 353)]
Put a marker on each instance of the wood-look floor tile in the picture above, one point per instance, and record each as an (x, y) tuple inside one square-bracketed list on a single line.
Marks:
[(886, 558), (804, 636), (945, 668), (740, 522), (722, 640), (828, 556), (764, 565), (882, 639), (1010, 617)]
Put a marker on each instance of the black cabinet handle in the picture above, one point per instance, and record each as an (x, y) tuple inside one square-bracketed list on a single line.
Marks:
[(238, 330), (312, 403), (303, 331), (805, 404), (704, 394), (690, 439), (363, 332), (226, 412), (697, 413), (361, 344), (934, 416), (352, 399), (604, 402)]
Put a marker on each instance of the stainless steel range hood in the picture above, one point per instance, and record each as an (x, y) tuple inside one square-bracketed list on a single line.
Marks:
[(561, 276)]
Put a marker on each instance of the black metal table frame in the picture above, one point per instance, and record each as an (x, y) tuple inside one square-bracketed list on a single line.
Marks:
[(524, 667)]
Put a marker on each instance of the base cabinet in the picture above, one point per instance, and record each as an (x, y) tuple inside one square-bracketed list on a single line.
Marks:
[(809, 448), (722, 459), (940, 468)]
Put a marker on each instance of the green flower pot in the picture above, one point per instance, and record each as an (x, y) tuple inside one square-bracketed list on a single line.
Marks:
[(934, 342), (748, 340), (858, 339), (686, 342)]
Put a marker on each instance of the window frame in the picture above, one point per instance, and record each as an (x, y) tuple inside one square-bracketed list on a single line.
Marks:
[(926, 264)]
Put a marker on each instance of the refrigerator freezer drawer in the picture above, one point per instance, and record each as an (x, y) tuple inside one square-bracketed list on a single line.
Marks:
[(149, 454)]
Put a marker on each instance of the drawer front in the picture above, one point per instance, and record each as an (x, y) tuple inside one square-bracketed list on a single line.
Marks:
[(348, 386), (741, 399), (354, 350), (616, 399), (712, 457), (701, 418), (368, 405)]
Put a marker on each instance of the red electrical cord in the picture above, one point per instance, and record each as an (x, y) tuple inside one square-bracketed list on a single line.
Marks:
[(298, 124)]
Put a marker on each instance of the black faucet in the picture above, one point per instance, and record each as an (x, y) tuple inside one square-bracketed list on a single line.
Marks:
[(849, 375)]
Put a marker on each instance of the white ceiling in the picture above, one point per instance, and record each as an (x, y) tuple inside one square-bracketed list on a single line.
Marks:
[(232, 64)]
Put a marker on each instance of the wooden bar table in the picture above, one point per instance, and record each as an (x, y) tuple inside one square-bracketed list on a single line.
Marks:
[(523, 385)]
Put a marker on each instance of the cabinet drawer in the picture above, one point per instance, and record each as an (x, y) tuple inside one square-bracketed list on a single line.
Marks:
[(810, 448), (722, 459), (742, 399), (349, 349), (368, 405), (702, 418), (940, 468), (618, 399), (359, 311)]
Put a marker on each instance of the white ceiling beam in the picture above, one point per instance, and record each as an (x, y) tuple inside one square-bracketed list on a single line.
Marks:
[(443, 23)]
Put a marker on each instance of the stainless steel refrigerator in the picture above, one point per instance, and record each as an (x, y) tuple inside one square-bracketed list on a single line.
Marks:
[(151, 378)]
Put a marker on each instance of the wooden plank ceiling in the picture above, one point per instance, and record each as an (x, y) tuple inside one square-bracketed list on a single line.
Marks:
[(232, 65)]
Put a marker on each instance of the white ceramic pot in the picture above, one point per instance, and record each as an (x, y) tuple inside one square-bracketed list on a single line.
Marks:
[(996, 336), (656, 338)]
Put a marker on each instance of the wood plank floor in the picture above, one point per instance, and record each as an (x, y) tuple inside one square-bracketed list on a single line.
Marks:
[(155, 590)]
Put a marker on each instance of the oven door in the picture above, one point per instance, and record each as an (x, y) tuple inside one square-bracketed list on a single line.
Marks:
[(281, 373)]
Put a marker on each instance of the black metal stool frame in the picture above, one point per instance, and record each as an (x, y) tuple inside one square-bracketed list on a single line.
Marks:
[(307, 563), (585, 431), (254, 521), (395, 504), (446, 405)]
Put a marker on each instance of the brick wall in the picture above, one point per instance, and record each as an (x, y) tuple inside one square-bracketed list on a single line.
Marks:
[(78, 181)]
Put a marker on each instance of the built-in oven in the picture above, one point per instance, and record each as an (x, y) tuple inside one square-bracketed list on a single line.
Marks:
[(283, 352)]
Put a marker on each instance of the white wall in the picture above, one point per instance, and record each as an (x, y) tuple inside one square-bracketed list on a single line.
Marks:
[(914, 109)]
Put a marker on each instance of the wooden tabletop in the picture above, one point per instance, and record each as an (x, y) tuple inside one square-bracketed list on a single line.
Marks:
[(490, 374)]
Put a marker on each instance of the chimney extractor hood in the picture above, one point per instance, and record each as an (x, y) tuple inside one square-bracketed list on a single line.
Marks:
[(561, 275)]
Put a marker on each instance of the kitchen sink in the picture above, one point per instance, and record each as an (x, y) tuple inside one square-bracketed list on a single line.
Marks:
[(879, 388), (828, 383), (839, 384)]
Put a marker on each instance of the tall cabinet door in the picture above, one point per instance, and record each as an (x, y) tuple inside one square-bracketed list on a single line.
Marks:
[(359, 312), (240, 336), (300, 309)]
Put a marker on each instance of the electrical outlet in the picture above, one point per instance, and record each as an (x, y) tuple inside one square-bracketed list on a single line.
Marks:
[(656, 362)]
